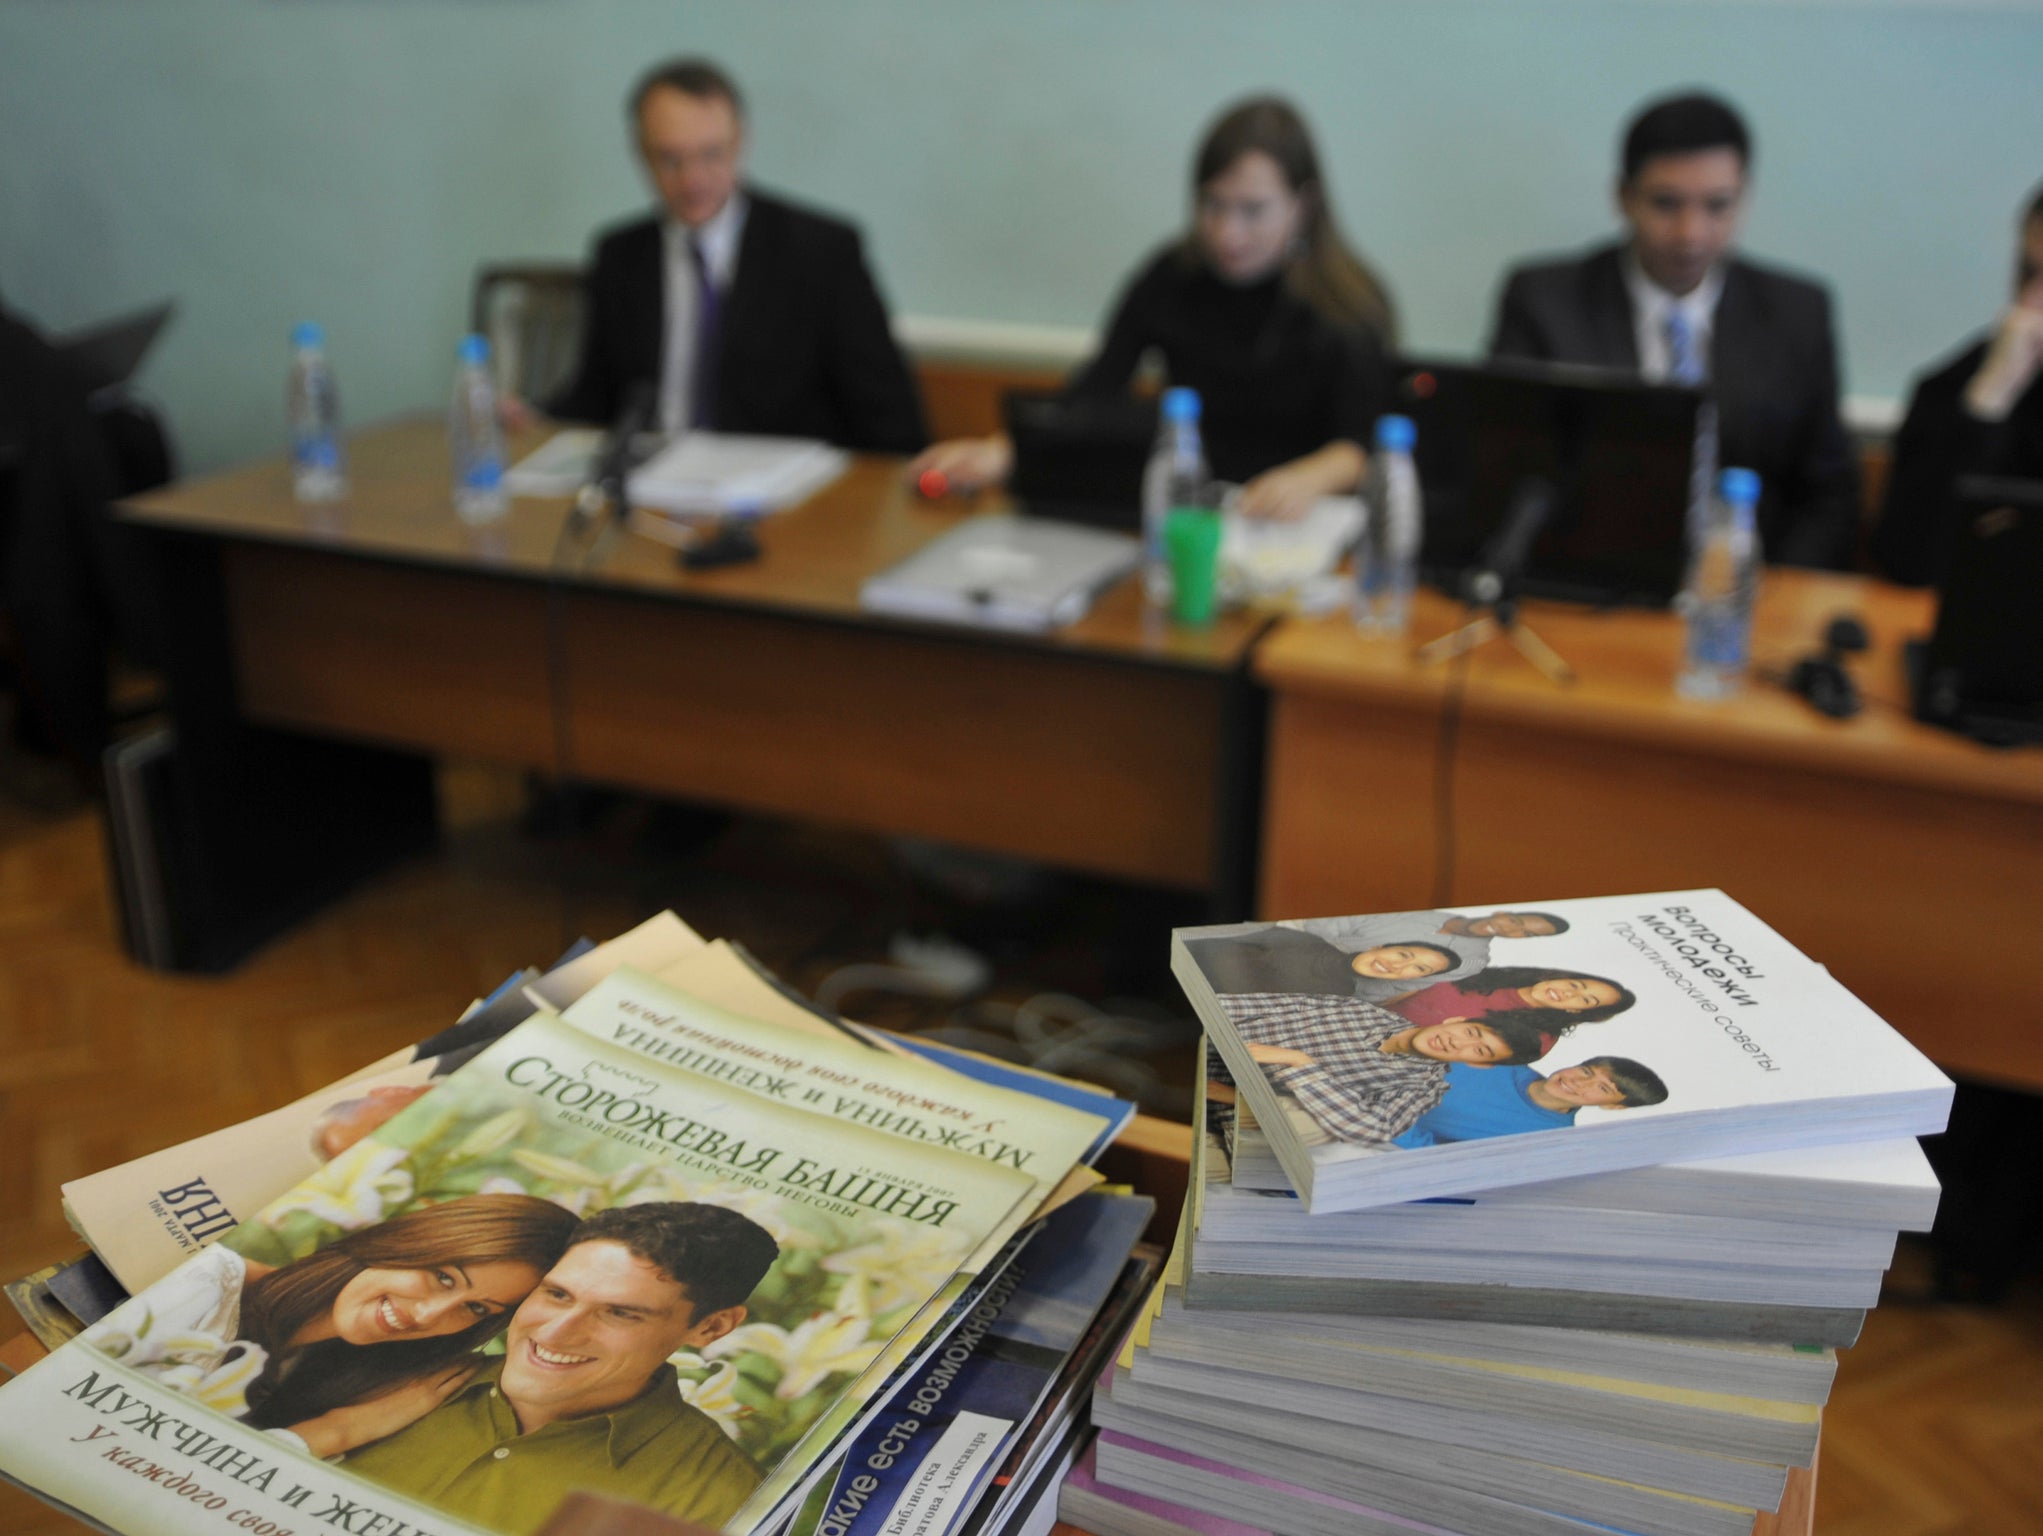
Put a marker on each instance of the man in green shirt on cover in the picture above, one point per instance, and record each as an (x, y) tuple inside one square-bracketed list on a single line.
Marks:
[(584, 1397)]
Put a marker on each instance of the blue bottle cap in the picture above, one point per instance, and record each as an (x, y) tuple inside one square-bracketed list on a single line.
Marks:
[(1396, 433), (1740, 487), (474, 349), (307, 333), (1181, 404)]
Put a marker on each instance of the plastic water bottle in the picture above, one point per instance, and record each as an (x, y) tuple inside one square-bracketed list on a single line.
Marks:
[(1723, 580), (1176, 477), (1393, 520), (476, 438), (312, 409)]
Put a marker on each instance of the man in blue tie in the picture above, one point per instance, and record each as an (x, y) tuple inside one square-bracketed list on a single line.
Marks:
[(741, 311), (1673, 302)]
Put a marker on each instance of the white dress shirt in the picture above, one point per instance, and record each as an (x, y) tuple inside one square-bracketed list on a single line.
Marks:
[(1651, 307), (719, 240)]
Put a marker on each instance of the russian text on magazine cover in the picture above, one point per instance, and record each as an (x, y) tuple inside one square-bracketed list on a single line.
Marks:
[(567, 1267)]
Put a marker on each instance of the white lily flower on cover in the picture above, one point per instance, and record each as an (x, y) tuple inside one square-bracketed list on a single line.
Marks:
[(716, 1394), (562, 1170), (190, 1361), (594, 1190), (357, 1189), (494, 1134), (902, 1261), (824, 1345), (224, 1388)]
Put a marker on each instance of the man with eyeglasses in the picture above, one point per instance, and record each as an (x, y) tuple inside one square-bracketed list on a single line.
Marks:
[(741, 311)]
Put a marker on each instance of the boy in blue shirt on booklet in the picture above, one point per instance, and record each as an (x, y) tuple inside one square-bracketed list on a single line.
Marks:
[(1508, 1100)]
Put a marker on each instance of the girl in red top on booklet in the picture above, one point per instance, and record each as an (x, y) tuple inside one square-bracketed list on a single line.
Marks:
[(1533, 991)]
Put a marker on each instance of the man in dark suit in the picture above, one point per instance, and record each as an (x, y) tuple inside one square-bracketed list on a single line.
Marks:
[(1981, 413), (742, 312), (1672, 302)]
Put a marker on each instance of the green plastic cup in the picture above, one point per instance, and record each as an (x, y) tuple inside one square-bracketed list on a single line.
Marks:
[(1192, 537)]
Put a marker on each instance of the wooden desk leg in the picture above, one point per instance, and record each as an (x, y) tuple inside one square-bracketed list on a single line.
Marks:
[(1797, 1514), (262, 827), (1238, 800)]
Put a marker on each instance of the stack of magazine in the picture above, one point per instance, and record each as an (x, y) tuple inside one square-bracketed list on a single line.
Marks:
[(1541, 1219), (644, 1225)]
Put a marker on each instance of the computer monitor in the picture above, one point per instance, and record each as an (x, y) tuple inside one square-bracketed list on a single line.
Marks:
[(1080, 460), (1616, 451), (1982, 670)]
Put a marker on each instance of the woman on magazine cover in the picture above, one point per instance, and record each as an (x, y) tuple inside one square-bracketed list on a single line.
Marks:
[(353, 1341)]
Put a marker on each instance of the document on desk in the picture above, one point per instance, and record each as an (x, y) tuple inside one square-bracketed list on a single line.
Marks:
[(1005, 572), (703, 472), (560, 466), (1264, 559)]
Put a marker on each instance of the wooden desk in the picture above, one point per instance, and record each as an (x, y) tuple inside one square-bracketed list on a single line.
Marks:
[(1906, 859), (1108, 746)]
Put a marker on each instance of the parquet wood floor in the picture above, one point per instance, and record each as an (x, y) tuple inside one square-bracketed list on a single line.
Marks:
[(1935, 1429)]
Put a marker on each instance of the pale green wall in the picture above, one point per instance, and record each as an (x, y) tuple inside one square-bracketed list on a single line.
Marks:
[(352, 159)]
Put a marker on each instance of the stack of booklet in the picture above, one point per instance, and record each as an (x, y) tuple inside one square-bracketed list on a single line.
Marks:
[(699, 473), (1522, 1220), (645, 1225)]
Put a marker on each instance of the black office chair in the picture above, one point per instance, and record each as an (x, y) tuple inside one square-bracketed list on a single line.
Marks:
[(75, 586), (532, 314)]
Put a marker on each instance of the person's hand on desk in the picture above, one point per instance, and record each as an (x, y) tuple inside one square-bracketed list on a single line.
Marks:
[(515, 415), (2012, 360), (1288, 492), (962, 465)]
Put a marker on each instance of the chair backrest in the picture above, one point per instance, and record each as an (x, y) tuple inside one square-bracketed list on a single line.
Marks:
[(532, 314)]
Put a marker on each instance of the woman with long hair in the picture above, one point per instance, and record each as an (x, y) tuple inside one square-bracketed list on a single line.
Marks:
[(352, 1342), (1556, 1000), (1262, 307)]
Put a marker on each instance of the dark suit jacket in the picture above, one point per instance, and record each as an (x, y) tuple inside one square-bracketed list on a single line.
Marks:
[(1940, 443), (804, 348), (1773, 372)]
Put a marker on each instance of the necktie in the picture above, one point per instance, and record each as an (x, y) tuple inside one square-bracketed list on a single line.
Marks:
[(702, 374), (1685, 361), (1686, 365)]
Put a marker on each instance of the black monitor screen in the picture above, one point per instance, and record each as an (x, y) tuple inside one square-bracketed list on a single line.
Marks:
[(1985, 661), (1080, 459), (1616, 450)]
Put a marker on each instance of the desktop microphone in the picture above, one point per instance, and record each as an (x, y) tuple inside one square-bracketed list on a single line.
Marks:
[(1497, 568), (1822, 678), (604, 491)]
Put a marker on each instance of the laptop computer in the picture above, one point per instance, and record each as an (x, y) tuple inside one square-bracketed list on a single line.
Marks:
[(1617, 451), (1981, 671), (1005, 572), (1079, 460)]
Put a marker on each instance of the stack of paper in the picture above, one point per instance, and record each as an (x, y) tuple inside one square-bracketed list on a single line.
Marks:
[(704, 472), (1665, 1158)]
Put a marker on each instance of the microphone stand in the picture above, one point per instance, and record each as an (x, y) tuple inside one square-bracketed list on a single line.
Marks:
[(1491, 591), (602, 503)]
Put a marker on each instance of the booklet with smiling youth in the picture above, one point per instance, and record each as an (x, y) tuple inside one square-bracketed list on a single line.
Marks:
[(1405, 1055), (569, 1266)]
